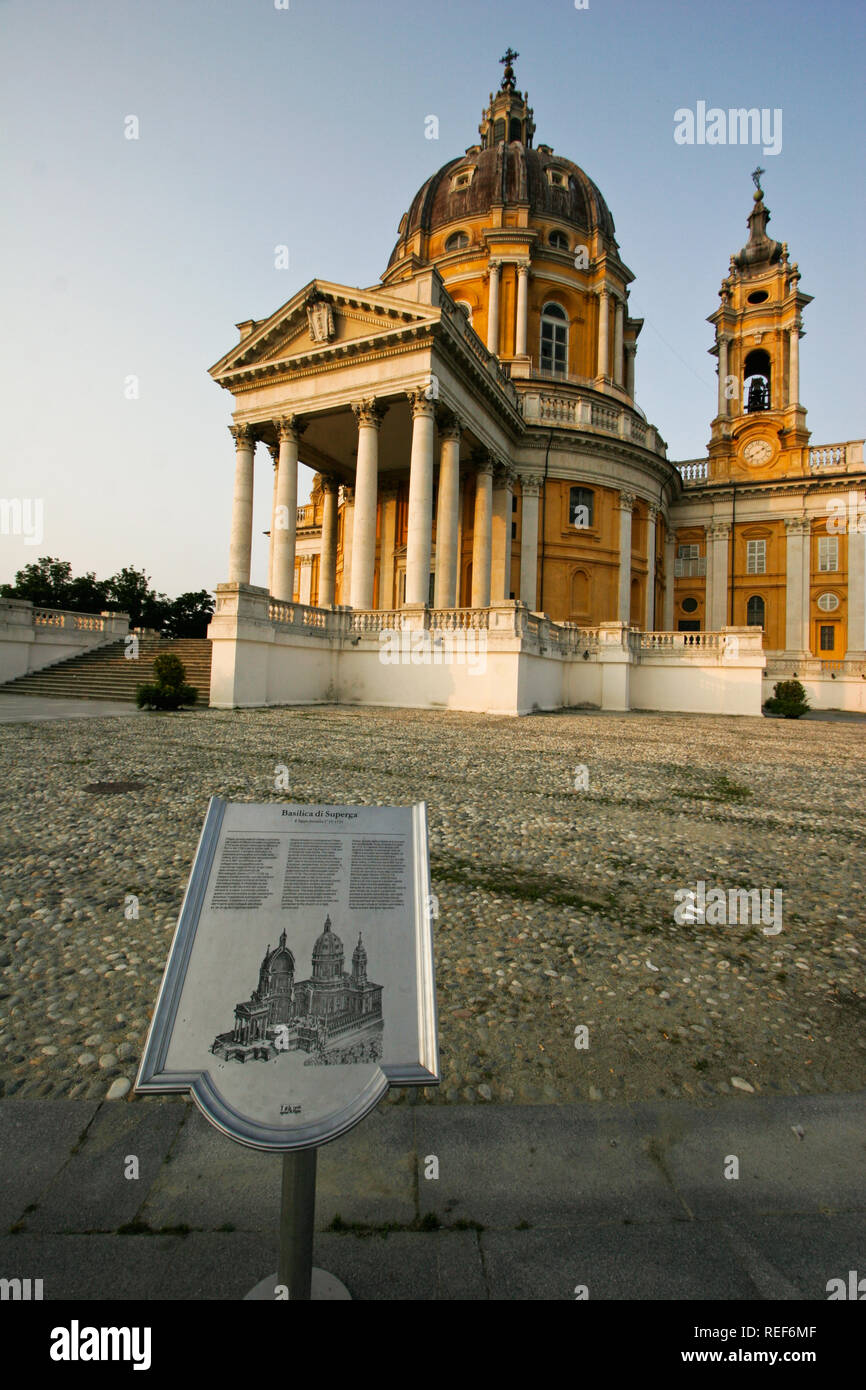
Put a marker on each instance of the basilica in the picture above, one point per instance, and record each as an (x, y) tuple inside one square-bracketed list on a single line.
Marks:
[(482, 463), (334, 1015)]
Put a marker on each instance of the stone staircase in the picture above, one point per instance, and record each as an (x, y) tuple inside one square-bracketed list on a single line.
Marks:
[(106, 674)]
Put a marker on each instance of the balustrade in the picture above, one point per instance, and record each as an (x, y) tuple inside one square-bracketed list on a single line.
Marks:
[(695, 472), (299, 614), (78, 622), (456, 619), (828, 456), (679, 641)]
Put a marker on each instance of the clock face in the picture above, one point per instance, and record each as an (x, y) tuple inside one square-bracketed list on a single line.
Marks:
[(757, 452)]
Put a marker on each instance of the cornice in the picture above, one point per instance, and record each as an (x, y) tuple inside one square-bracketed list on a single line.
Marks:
[(315, 369), (780, 487), (258, 373)]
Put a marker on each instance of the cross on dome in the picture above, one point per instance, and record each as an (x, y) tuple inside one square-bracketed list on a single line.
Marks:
[(508, 58)]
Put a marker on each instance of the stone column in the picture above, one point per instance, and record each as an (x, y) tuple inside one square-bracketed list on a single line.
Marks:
[(460, 513), (447, 512), (289, 431), (624, 504), (530, 491), (708, 577), (603, 333), (348, 538), (481, 533), (500, 545), (369, 415), (388, 499), (419, 538), (630, 350), (670, 576), (305, 588), (797, 585), (241, 543), (723, 373), (328, 562), (650, 608), (274, 451), (856, 580), (522, 309), (794, 365), (493, 308), (617, 342), (718, 535)]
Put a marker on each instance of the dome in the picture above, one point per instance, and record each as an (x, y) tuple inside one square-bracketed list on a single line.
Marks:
[(507, 173), (329, 946), (280, 960), (505, 170)]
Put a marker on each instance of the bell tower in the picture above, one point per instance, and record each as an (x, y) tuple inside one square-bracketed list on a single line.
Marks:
[(760, 425)]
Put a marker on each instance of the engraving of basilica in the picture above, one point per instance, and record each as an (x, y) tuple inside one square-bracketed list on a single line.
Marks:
[(335, 1016)]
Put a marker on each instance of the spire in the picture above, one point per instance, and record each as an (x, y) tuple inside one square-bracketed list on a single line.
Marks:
[(509, 116), (760, 250), (359, 962)]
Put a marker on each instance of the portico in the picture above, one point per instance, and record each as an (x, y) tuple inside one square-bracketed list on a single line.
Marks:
[(445, 427)]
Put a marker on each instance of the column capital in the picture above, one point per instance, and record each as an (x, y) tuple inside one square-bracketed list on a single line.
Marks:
[(798, 525), (530, 484), (330, 485), (603, 291), (522, 267), (421, 403), (370, 412), (274, 451), (718, 530), (625, 501), (503, 475), (495, 263), (243, 436), (348, 495), (482, 463), (629, 347), (449, 424), (653, 510), (290, 428)]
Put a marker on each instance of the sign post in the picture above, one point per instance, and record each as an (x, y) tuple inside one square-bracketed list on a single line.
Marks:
[(296, 1279), (295, 1270), (286, 1046)]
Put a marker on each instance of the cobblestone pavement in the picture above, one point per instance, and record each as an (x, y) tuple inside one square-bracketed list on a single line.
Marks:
[(557, 845)]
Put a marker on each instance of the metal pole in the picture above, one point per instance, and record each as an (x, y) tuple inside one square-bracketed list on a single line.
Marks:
[(297, 1212)]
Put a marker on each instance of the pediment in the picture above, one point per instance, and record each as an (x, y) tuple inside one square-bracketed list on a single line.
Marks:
[(322, 319)]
